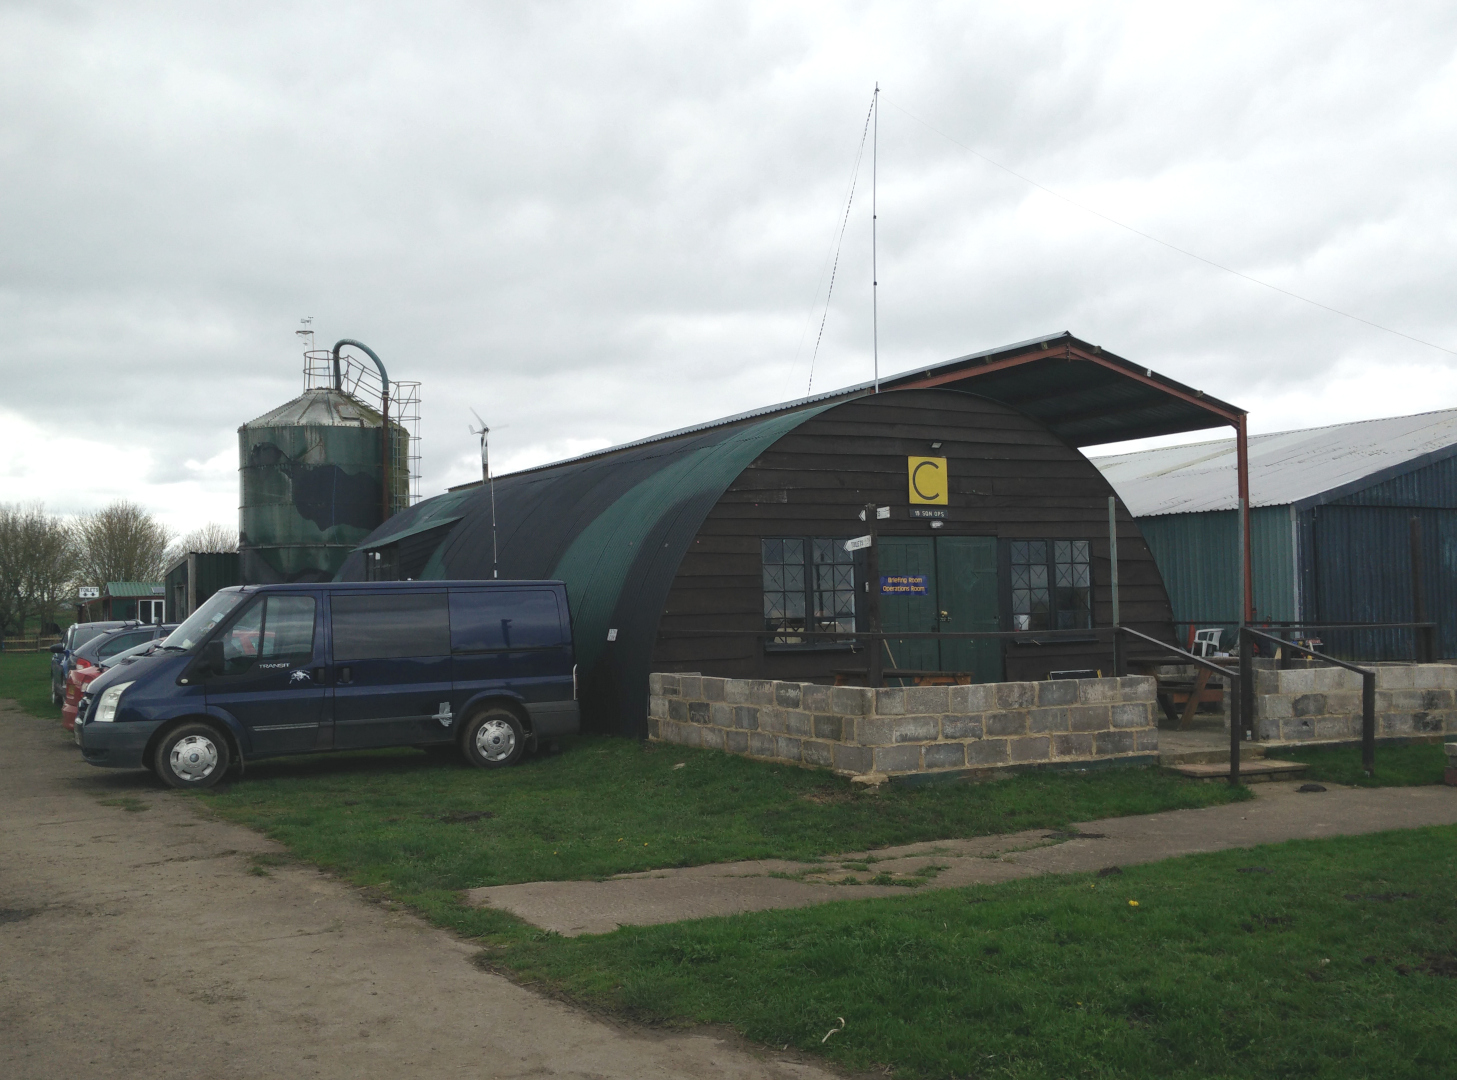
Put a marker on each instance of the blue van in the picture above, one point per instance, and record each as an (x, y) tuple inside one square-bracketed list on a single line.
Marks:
[(257, 671)]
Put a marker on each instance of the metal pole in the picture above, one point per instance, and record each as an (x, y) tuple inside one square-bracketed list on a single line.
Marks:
[(1246, 683), (1424, 649), (1368, 722), (1242, 469), (874, 217), (1235, 692), (1119, 666), (872, 599)]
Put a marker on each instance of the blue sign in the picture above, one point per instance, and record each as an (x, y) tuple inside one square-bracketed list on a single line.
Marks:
[(903, 584)]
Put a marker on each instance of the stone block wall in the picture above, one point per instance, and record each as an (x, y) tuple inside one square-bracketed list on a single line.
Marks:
[(856, 730), (1324, 703)]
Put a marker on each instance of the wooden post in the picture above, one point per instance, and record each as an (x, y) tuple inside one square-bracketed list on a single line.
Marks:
[(872, 599), (1368, 722)]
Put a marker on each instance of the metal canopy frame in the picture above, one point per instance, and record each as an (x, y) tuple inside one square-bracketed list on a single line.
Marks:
[(1087, 396)]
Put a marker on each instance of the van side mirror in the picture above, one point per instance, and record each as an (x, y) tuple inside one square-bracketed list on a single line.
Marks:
[(212, 657)]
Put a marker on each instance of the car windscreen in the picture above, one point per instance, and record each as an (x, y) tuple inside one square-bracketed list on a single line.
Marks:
[(201, 622)]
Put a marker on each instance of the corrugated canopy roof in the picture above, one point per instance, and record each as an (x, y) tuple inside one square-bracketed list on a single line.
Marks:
[(1306, 466), (116, 589)]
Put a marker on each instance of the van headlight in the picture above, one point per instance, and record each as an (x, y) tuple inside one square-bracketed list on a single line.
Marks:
[(105, 711)]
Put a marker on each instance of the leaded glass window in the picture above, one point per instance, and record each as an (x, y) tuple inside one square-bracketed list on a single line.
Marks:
[(1052, 584), (809, 584)]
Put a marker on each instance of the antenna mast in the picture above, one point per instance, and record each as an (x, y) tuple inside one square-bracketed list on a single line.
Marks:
[(490, 483), (874, 277)]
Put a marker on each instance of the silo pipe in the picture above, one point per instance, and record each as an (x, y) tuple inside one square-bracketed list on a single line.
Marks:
[(384, 410)]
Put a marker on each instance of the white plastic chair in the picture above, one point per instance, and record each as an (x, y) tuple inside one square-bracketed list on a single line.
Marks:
[(1206, 642)]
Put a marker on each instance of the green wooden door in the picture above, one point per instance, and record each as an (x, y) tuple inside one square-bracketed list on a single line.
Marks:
[(967, 602), (909, 556)]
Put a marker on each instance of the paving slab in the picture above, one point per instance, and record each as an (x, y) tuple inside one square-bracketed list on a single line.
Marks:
[(138, 943), (1278, 812)]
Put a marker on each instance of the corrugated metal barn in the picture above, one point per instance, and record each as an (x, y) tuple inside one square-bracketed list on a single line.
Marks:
[(1330, 512), (671, 544)]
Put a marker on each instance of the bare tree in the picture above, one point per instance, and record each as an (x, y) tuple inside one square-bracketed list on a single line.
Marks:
[(214, 536), (121, 543), (38, 560)]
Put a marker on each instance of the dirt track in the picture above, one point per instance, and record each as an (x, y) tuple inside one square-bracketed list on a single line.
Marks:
[(137, 943)]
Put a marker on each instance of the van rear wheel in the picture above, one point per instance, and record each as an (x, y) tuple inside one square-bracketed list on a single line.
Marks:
[(192, 756), (493, 739)]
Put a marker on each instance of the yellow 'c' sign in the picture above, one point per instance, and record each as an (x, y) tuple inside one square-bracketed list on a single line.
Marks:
[(927, 476)]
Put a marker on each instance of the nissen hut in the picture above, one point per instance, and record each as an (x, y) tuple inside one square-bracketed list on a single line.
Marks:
[(678, 549)]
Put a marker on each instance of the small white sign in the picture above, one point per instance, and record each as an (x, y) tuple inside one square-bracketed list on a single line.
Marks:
[(612, 634), (858, 543), (882, 512), (88, 592)]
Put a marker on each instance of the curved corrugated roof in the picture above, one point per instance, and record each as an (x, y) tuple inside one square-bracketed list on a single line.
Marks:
[(613, 527)]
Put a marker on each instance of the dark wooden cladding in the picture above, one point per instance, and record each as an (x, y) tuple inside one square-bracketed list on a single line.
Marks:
[(1010, 477)]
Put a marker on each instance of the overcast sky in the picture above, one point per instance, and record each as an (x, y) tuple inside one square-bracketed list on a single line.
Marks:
[(592, 222)]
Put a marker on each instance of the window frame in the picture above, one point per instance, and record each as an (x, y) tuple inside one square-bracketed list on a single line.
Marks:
[(1050, 563), (786, 641)]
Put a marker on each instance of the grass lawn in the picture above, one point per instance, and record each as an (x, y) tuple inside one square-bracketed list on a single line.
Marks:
[(1397, 765), (26, 677), (1330, 958)]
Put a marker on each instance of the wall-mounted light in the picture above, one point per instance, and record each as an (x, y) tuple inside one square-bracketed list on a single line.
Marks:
[(935, 446), (937, 524)]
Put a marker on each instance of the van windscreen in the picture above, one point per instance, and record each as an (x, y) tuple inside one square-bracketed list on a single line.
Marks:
[(378, 626), (490, 620)]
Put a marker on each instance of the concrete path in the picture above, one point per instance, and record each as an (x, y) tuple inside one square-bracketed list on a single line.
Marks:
[(136, 943), (1278, 812)]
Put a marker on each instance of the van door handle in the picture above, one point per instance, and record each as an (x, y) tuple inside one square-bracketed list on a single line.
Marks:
[(345, 675), (319, 674)]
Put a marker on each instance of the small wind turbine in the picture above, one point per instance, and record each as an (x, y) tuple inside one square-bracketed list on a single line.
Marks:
[(484, 432)]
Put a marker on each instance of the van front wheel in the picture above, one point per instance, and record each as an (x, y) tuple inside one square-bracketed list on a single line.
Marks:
[(493, 739), (192, 756)]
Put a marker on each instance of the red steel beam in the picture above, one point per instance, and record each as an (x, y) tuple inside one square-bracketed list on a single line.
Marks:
[(1242, 471)]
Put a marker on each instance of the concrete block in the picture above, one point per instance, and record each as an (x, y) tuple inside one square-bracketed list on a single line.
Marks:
[(1016, 695), (658, 706), (677, 709), (1297, 728), (852, 759), (890, 701), (875, 730), (1138, 687), (1428, 723), (961, 727), (829, 727), (897, 758), (690, 687), (1395, 677), (655, 683), (851, 700), (712, 738), (1005, 723), (771, 719), (736, 691), (786, 748), (1131, 714), (669, 685), (654, 728), (1033, 748), (761, 692), (950, 755), (1298, 681), (1275, 706), (815, 699), (1309, 705), (1045, 721), (1337, 727), (736, 742), (698, 712), (987, 752), (1267, 682), (720, 714), (713, 689), (1340, 702), (917, 728), (1107, 743), (1430, 676), (746, 717), (797, 722), (1089, 717), (925, 699), (1265, 728), (817, 753), (1057, 692), (787, 695), (1099, 691), (1395, 723), (1072, 745), (761, 744), (1437, 700), (1146, 741), (976, 698), (688, 735)]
